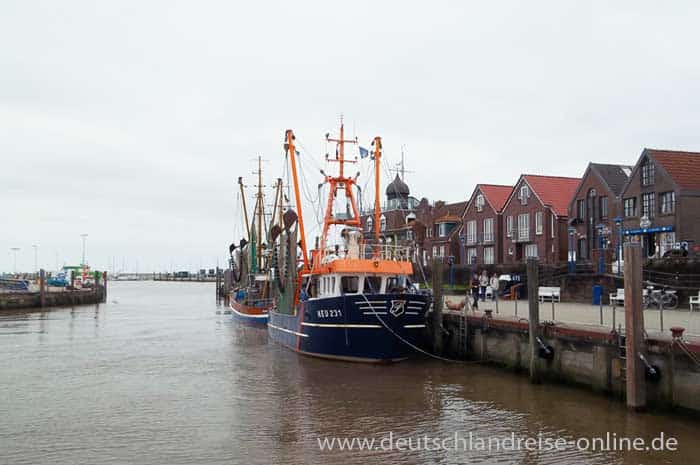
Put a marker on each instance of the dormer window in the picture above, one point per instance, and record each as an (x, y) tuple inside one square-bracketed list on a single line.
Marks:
[(370, 223), (480, 202), (382, 223), (524, 194)]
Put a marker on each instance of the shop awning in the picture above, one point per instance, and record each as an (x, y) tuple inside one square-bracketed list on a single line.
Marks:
[(652, 230)]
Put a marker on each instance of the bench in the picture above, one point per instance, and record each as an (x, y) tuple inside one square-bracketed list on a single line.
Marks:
[(617, 297), (694, 301), (551, 293)]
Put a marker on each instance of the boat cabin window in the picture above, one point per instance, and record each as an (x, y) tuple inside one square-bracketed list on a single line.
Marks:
[(373, 285), (350, 284), (395, 284)]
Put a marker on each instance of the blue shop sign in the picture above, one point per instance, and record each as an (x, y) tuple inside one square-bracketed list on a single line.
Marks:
[(656, 229)]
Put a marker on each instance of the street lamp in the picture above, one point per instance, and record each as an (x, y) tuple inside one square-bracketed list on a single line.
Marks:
[(36, 252), (618, 223), (572, 261), (15, 250), (601, 257), (84, 236)]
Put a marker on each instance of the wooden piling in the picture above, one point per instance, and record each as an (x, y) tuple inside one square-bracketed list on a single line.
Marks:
[(42, 288), (634, 327), (437, 306), (104, 283), (534, 317)]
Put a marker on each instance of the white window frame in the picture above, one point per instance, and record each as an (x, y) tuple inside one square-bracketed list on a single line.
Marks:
[(489, 258), (488, 231), (382, 223), (509, 226), (524, 194), (370, 223), (471, 232), (480, 202), (471, 252), (524, 226), (539, 226), (553, 224), (528, 251)]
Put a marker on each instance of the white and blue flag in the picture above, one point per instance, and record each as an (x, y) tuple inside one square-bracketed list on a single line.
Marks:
[(364, 153)]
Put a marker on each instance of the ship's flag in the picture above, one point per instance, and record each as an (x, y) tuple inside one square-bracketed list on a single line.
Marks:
[(364, 153)]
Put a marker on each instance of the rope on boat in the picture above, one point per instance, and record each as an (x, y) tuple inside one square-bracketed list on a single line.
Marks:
[(413, 346)]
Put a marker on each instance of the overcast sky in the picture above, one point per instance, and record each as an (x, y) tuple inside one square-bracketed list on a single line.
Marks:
[(131, 121)]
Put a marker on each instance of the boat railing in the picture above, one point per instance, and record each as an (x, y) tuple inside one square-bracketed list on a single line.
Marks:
[(369, 251)]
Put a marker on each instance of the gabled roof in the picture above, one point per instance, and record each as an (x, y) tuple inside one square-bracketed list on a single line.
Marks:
[(682, 167), (615, 176), (496, 195), (554, 192)]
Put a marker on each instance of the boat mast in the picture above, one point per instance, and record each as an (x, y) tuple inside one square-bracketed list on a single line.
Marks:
[(339, 182), (245, 209), (278, 198), (377, 143), (259, 215), (291, 150)]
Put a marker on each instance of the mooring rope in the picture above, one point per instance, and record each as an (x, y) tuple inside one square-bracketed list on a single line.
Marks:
[(681, 343), (413, 346)]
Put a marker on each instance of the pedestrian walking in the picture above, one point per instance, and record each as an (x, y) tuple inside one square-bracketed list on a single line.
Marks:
[(494, 286), (483, 284)]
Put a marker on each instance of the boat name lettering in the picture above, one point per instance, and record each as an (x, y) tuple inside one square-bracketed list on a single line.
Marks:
[(332, 313)]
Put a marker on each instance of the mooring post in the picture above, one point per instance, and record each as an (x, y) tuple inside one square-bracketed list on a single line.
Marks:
[(42, 288), (437, 306), (634, 327), (534, 317), (104, 284)]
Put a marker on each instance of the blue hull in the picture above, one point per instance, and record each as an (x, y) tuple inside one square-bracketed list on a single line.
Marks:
[(351, 328), (258, 321)]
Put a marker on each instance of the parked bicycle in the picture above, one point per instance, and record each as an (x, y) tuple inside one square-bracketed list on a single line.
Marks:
[(660, 297)]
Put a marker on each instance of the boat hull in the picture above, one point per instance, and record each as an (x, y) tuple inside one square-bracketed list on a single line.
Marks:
[(248, 315), (379, 329)]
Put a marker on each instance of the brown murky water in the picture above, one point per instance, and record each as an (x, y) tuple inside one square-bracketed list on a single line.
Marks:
[(155, 376)]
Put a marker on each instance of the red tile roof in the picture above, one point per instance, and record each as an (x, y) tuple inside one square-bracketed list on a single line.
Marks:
[(496, 195), (554, 191), (683, 167)]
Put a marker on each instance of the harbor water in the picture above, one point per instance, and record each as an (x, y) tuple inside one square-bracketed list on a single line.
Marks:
[(159, 375)]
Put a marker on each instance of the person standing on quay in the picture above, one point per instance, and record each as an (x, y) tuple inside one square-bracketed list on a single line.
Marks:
[(494, 286), (483, 284), (475, 291)]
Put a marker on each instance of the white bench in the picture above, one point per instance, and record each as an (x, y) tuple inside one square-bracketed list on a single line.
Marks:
[(617, 297), (694, 301), (551, 293)]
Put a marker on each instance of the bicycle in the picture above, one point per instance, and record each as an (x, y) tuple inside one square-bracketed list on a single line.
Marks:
[(659, 298)]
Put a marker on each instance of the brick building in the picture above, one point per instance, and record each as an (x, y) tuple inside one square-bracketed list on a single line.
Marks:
[(535, 219), (443, 223), (482, 225), (594, 207), (661, 201)]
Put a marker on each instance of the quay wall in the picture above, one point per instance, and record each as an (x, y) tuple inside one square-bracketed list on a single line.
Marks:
[(20, 300), (584, 356)]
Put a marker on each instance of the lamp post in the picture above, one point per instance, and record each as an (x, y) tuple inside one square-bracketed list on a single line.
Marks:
[(601, 257), (84, 236), (36, 252), (14, 251), (618, 223), (572, 261)]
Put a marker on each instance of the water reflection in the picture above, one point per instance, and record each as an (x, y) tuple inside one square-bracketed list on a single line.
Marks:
[(156, 376)]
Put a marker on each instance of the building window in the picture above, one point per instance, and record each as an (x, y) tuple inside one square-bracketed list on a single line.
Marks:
[(524, 226), (488, 230), (581, 209), (488, 256), (442, 250), (435, 250), (382, 223), (630, 206), (471, 255), (444, 229), (429, 232), (553, 225), (531, 251), (370, 223), (648, 173), (539, 227), (409, 235), (509, 226), (480, 202), (524, 194), (648, 204), (604, 207), (471, 232), (668, 202)]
